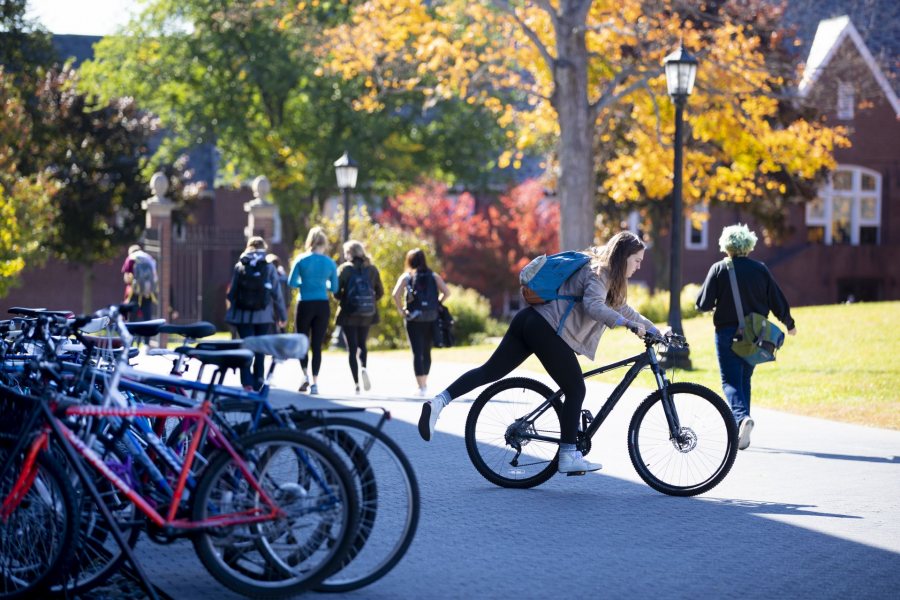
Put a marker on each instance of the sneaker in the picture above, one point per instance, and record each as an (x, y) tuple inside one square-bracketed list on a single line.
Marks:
[(305, 385), (744, 433), (314, 389), (357, 390), (573, 463), (364, 375), (422, 392), (428, 419)]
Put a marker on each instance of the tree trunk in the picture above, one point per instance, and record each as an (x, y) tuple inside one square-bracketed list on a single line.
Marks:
[(87, 289), (576, 160)]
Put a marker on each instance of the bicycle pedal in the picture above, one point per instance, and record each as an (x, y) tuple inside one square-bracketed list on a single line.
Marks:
[(573, 473)]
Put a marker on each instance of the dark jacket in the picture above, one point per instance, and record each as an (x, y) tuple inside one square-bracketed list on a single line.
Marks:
[(345, 271), (758, 289), (274, 310)]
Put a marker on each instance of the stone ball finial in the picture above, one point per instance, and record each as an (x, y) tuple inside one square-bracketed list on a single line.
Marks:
[(159, 184), (261, 187)]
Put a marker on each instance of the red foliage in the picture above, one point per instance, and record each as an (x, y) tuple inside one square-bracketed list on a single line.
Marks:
[(483, 249)]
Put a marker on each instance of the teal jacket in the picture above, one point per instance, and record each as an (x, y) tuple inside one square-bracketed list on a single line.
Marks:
[(315, 275)]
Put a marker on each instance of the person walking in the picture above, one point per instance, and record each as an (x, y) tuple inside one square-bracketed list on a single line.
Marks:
[(759, 293), (359, 289), (417, 294), (255, 303), (273, 260), (139, 272), (545, 331), (314, 274)]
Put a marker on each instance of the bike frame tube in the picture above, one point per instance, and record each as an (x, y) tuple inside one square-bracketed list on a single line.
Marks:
[(204, 422)]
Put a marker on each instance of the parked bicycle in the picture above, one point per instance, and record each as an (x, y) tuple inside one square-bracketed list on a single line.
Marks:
[(682, 438)]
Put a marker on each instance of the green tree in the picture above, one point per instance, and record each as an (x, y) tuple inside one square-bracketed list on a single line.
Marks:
[(26, 210), (244, 78), (98, 154)]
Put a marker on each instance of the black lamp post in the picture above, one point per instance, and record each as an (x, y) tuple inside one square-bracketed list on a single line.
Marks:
[(346, 170), (681, 69)]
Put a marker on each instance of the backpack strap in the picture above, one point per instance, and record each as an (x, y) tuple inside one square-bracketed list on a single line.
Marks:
[(737, 297)]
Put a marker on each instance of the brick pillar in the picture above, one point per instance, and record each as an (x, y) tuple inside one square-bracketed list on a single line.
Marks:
[(159, 217), (262, 215)]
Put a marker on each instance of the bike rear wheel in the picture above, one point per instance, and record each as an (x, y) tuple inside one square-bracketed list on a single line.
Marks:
[(388, 500), (38, 539), (702, 453), (502, 446), (288, 555)]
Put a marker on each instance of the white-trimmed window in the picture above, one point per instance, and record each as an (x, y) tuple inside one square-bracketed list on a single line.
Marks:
[(848, 209), (696, 231), (845, 101)]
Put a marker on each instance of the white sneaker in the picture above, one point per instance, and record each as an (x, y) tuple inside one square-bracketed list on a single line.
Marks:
[(364, 375), (744, 433), (422, 392), (428, 419), (573, 463)]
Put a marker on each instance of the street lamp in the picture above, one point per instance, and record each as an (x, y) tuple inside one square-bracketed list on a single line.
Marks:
[(681, 69), (346, 170)]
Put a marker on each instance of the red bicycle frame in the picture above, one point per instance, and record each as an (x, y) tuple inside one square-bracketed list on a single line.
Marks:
[(267, 511)]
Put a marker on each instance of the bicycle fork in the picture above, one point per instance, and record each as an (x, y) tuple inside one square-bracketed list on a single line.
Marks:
[(668, 403)]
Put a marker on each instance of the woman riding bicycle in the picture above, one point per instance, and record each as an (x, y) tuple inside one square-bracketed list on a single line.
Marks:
[(602, 284)]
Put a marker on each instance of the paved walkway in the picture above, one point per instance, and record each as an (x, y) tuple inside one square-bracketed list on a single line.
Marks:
[(811, 510)]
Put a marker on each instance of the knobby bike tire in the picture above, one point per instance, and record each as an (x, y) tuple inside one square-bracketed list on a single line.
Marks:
[(489, 424), (245, 558), (704, 455), (39, 538)]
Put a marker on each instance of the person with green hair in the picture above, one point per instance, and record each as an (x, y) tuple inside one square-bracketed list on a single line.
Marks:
[(759, 293)]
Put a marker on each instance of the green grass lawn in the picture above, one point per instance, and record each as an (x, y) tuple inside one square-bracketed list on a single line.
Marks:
[(844, 363)]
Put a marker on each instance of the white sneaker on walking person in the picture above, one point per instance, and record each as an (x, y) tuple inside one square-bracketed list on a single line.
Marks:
[(431, 409), (364, 375), (574, 462), (744, 430)]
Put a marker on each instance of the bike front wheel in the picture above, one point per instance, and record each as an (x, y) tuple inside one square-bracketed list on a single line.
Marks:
[(509, 443), (698, 456)]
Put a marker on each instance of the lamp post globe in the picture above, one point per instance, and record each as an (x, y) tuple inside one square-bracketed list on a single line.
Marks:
[(346, 170), (681, 70)]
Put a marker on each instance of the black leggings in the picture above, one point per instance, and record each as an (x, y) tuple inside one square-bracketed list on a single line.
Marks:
[(355, 337), (420, 342), (312, 320), (529, 333)]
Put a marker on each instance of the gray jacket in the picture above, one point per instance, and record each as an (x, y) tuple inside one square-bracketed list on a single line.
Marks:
[(589, 318)]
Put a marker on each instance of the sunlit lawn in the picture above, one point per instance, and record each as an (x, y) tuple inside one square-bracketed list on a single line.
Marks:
[(844, 364)]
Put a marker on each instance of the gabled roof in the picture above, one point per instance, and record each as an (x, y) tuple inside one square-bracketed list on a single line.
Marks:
[(829, 37)]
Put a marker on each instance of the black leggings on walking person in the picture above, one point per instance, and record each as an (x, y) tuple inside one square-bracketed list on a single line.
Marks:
[(312, 320), (420, 340), (355, 337), (529, 333)]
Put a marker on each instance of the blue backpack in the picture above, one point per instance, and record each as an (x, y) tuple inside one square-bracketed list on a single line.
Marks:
[(542, 278)]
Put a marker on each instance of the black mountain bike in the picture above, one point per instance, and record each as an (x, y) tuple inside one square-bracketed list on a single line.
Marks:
[(682, 439)]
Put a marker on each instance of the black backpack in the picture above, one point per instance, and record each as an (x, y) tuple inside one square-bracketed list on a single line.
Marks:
[(422, 295), (442, 334), (359, 297), (252, 292)]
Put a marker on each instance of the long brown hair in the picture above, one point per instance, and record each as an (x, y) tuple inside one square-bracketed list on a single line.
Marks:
[(614, 258), (415, 260)]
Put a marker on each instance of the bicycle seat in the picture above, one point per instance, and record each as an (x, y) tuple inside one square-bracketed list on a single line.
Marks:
[(280, 346), (226, 359), (214, 345), (145, 328), (196, 330)]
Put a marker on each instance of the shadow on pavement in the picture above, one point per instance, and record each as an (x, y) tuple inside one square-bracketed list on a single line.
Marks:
[(875, 459)]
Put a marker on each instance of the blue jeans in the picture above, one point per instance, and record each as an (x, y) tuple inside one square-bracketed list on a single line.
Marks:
[(736, 374)]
